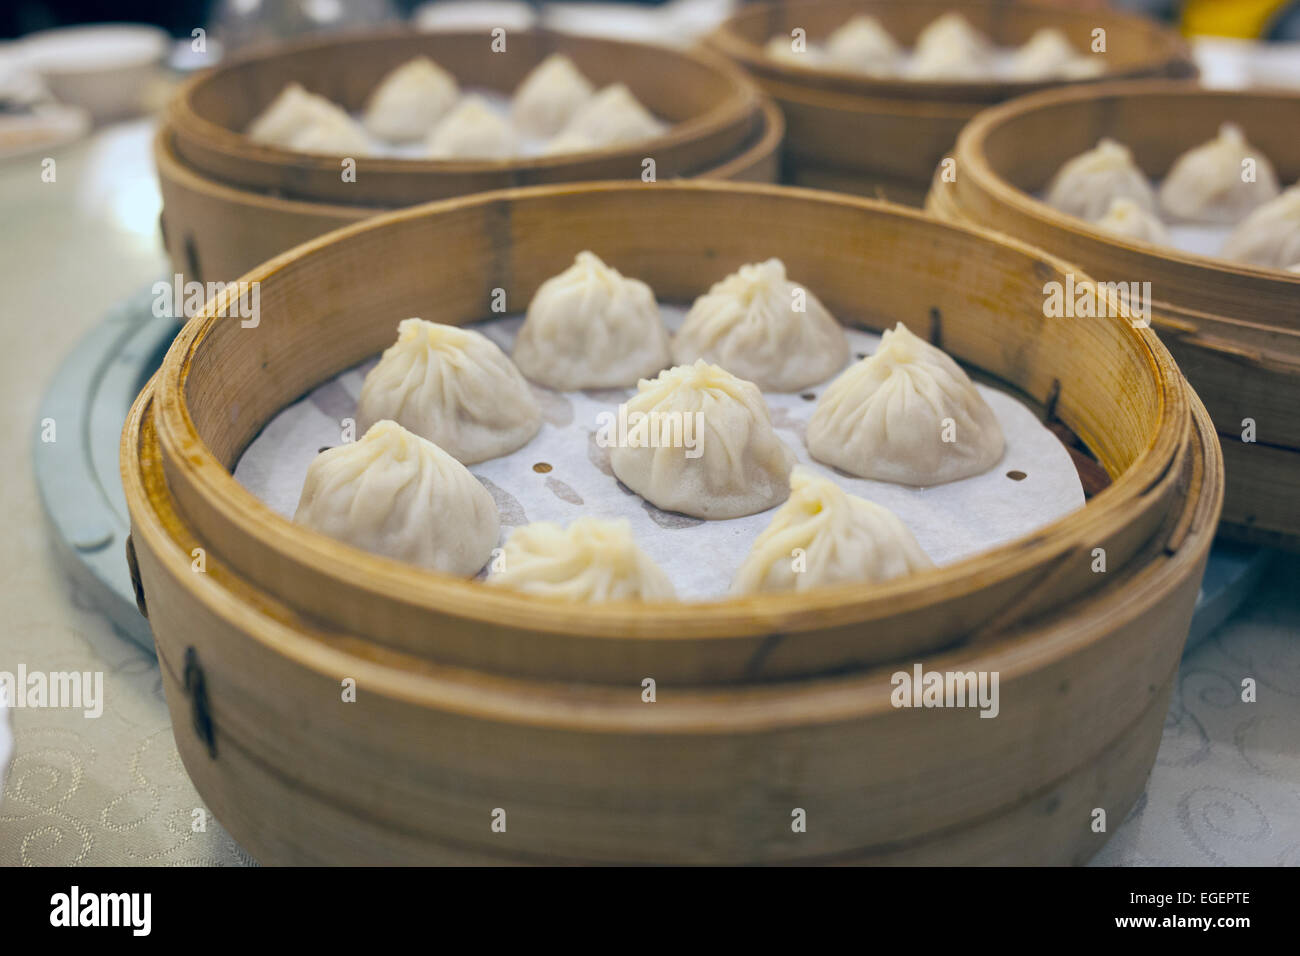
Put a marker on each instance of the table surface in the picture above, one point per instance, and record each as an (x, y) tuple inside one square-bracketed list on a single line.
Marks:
[(111, 790)]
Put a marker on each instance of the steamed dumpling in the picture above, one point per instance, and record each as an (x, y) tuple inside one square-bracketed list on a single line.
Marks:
[(591, 327), (396, 494), (569, 141), (297, 119), (454, 387), (951, 49), (887, 417), (1127, 218), (1049, 55), (1207, 183), (338, 135), (1087, 185), (612, 117), (864, 46), (472, 131), (1269, 236), (591, 560), (410, 100), (748, 324), (549, 96), (824, 536), (700, 441)]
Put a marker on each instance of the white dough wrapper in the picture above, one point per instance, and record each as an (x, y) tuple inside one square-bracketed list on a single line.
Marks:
[(907, 414), (396, 494), (704, 445), (454, 387)]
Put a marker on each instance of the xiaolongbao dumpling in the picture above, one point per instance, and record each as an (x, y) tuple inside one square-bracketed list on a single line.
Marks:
[(1127, 218), (759, 325), (549, 96), (591, 560), (864, 46), (472, 131), (906, 414), (1218, 181), (308, 123), (1269, 236), (396, 494), (824, 536), (569, 141), (612, 117), (1087, 185), (1048, 55), (455, 388), (700, 441), (591, 327), (410, 100), (951, 49)]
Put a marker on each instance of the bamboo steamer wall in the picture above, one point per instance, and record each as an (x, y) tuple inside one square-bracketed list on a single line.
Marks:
[(712, 106), (473, 699), (214, 231), (1234, 329), (230, 204), (884, 137)]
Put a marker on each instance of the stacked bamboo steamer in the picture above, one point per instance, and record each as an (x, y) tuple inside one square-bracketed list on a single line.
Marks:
[(1234, 329), (490, 726), (883, 137), (230, 203)]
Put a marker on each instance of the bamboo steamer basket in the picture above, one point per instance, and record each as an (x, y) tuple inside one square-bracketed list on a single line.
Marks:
[(472, 701), (1234, 329), (215, 231), (883, 137), (336, 302), (714, 109)]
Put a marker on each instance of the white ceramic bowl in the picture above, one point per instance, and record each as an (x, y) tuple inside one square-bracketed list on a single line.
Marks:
[(103, 68)]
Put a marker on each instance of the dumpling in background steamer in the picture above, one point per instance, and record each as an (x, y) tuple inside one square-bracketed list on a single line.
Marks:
[(1087, 185), (1269, 236), (410, 100), (568, 142), (864, 46), (844, 539), (951, 49), (297, 119), (1127, 218), (472, 131), (454, 387), (338, 135), (591, 560), (549, 96), (747, 323), (1206, 183), (613, 117), (739, 467), (884, 417), (1049, 55), (591, 327), (396, 494)]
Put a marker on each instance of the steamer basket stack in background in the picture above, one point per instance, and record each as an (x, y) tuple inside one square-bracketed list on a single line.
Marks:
[(473, 701), (1233, 329), (230, 203), (883, 137)]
